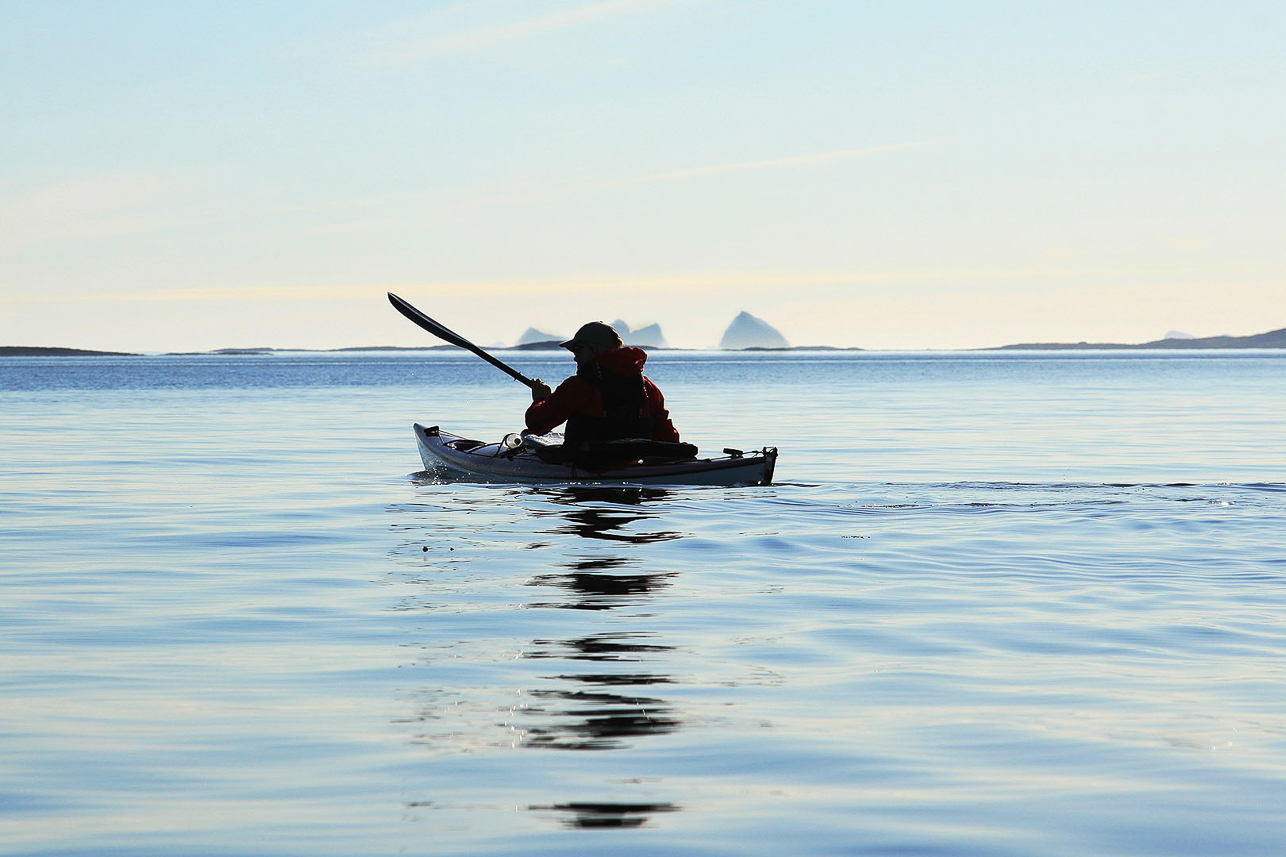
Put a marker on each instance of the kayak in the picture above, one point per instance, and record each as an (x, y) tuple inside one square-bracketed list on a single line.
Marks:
[(519, 459), (526, 459)]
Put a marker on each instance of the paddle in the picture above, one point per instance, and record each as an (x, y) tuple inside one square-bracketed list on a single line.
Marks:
[(450, 336)]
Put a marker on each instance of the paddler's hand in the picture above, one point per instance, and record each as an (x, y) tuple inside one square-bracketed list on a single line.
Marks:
[(540, 391)]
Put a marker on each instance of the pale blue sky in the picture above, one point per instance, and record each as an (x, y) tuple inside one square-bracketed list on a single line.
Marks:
[(887, 175)]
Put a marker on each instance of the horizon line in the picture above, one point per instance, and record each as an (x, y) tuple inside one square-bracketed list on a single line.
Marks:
[(1219, 342)]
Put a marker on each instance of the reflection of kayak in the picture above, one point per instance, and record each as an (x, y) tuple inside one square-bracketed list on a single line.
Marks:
[(532, 460)]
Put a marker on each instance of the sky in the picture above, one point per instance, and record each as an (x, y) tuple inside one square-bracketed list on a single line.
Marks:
[(889, 175)]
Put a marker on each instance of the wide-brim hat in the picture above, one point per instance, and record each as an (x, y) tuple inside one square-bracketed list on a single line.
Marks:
[(595, 334)]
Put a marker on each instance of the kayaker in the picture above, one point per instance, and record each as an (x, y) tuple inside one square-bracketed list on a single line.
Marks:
[(608, 398)]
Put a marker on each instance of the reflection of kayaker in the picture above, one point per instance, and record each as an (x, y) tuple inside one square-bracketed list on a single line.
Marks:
[(608, 398)]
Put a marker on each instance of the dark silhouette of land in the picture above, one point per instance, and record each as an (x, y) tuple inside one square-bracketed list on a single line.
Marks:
[(38, 351), (1272, 339)]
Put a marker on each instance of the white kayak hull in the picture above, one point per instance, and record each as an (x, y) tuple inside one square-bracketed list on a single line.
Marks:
[(461, 459)]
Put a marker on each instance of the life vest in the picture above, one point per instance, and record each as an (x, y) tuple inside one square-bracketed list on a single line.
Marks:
[(623, 399)]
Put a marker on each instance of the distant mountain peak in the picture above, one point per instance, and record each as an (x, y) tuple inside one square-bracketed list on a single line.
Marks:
[(531, 335), (648, 336), (747, 331)]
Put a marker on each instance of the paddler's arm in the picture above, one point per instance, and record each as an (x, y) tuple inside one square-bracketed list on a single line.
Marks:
[(550, 409)]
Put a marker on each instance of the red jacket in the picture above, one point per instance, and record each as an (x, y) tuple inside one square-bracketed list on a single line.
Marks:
[(578, 396)]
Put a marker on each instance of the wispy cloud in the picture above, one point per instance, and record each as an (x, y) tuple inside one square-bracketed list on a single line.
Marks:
[(518, 193), (104, 205), (219, 294), (706, 283), (444, 34), (775, 163)]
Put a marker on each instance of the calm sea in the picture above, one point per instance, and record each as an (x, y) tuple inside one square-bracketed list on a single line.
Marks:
[(997, 604)]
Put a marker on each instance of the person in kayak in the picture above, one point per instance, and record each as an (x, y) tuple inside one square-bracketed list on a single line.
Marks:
[(608, 398)]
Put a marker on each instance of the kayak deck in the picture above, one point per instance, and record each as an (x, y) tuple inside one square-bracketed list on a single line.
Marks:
[(463, 459)]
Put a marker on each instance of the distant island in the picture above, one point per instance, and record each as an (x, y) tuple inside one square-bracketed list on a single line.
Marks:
[(541, 345), (746, 331), (648, 336), (1272, 339), (532, 336), (40, 351)]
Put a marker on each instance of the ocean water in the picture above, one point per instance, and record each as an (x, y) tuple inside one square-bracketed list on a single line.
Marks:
[(996, 604)]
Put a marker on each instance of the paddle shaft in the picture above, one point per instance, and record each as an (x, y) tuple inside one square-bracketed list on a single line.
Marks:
[(448, 335)]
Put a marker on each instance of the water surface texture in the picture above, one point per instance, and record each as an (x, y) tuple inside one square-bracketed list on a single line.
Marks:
[(997, 604)]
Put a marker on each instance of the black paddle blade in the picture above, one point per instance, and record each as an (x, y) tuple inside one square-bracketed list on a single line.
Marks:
[(445, 333), (441, 331)]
